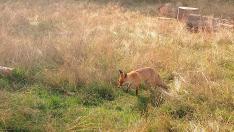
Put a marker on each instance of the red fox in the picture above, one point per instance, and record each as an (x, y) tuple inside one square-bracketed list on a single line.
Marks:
[(134, 78)]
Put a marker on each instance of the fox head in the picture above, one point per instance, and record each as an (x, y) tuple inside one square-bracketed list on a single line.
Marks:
[(122, 79)]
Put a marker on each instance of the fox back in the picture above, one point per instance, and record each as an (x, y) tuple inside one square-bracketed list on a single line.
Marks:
[(136, 77)]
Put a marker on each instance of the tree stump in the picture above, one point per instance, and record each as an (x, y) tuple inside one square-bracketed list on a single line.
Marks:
[(6, 71), (193, 22), (197, 22), (184, 12)]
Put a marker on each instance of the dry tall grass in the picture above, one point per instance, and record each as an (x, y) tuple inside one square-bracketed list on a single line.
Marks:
[(86, 42)]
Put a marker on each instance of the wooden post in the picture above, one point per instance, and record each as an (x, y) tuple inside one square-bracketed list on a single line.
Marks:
[(184, 12)]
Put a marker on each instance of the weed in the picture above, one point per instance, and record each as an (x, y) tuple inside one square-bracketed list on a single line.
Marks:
[(94, 94)]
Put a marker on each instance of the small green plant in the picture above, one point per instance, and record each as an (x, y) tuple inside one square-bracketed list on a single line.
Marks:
[(20, 76), (91, 100), (183, 111), (16, 80), (142, 102), (106, 93), (4, 83), (95, 94), (162, 124)]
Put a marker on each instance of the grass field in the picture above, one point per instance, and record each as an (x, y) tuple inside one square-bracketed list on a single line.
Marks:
[(67, 54)]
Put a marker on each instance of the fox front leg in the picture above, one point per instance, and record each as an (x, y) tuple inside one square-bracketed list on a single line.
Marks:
[(137, 91)]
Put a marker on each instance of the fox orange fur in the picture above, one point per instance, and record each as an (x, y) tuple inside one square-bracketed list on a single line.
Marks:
[(134, 78)]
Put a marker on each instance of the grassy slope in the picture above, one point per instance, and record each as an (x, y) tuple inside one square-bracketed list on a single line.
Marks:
[(66, 47)]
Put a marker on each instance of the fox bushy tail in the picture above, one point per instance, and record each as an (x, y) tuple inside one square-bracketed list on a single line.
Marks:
[(164, 89)]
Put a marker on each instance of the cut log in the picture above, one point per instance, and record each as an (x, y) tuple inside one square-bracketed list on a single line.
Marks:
[(184, 12), (6, 71), (165, 18), (225, 23), (193, 22), (228, 26), (197, 22)]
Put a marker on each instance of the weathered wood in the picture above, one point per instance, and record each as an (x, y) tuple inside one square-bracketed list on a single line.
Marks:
[(197, 23), (225, 23), (5, 70), (165, 18), (228, 26), (193, 22), (184, 12), (209, 24)]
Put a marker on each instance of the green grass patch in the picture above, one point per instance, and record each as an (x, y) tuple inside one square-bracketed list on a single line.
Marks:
[(95, 94)]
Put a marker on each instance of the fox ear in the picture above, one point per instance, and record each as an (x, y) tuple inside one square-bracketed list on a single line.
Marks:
[(125, 75), (120, 71)]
